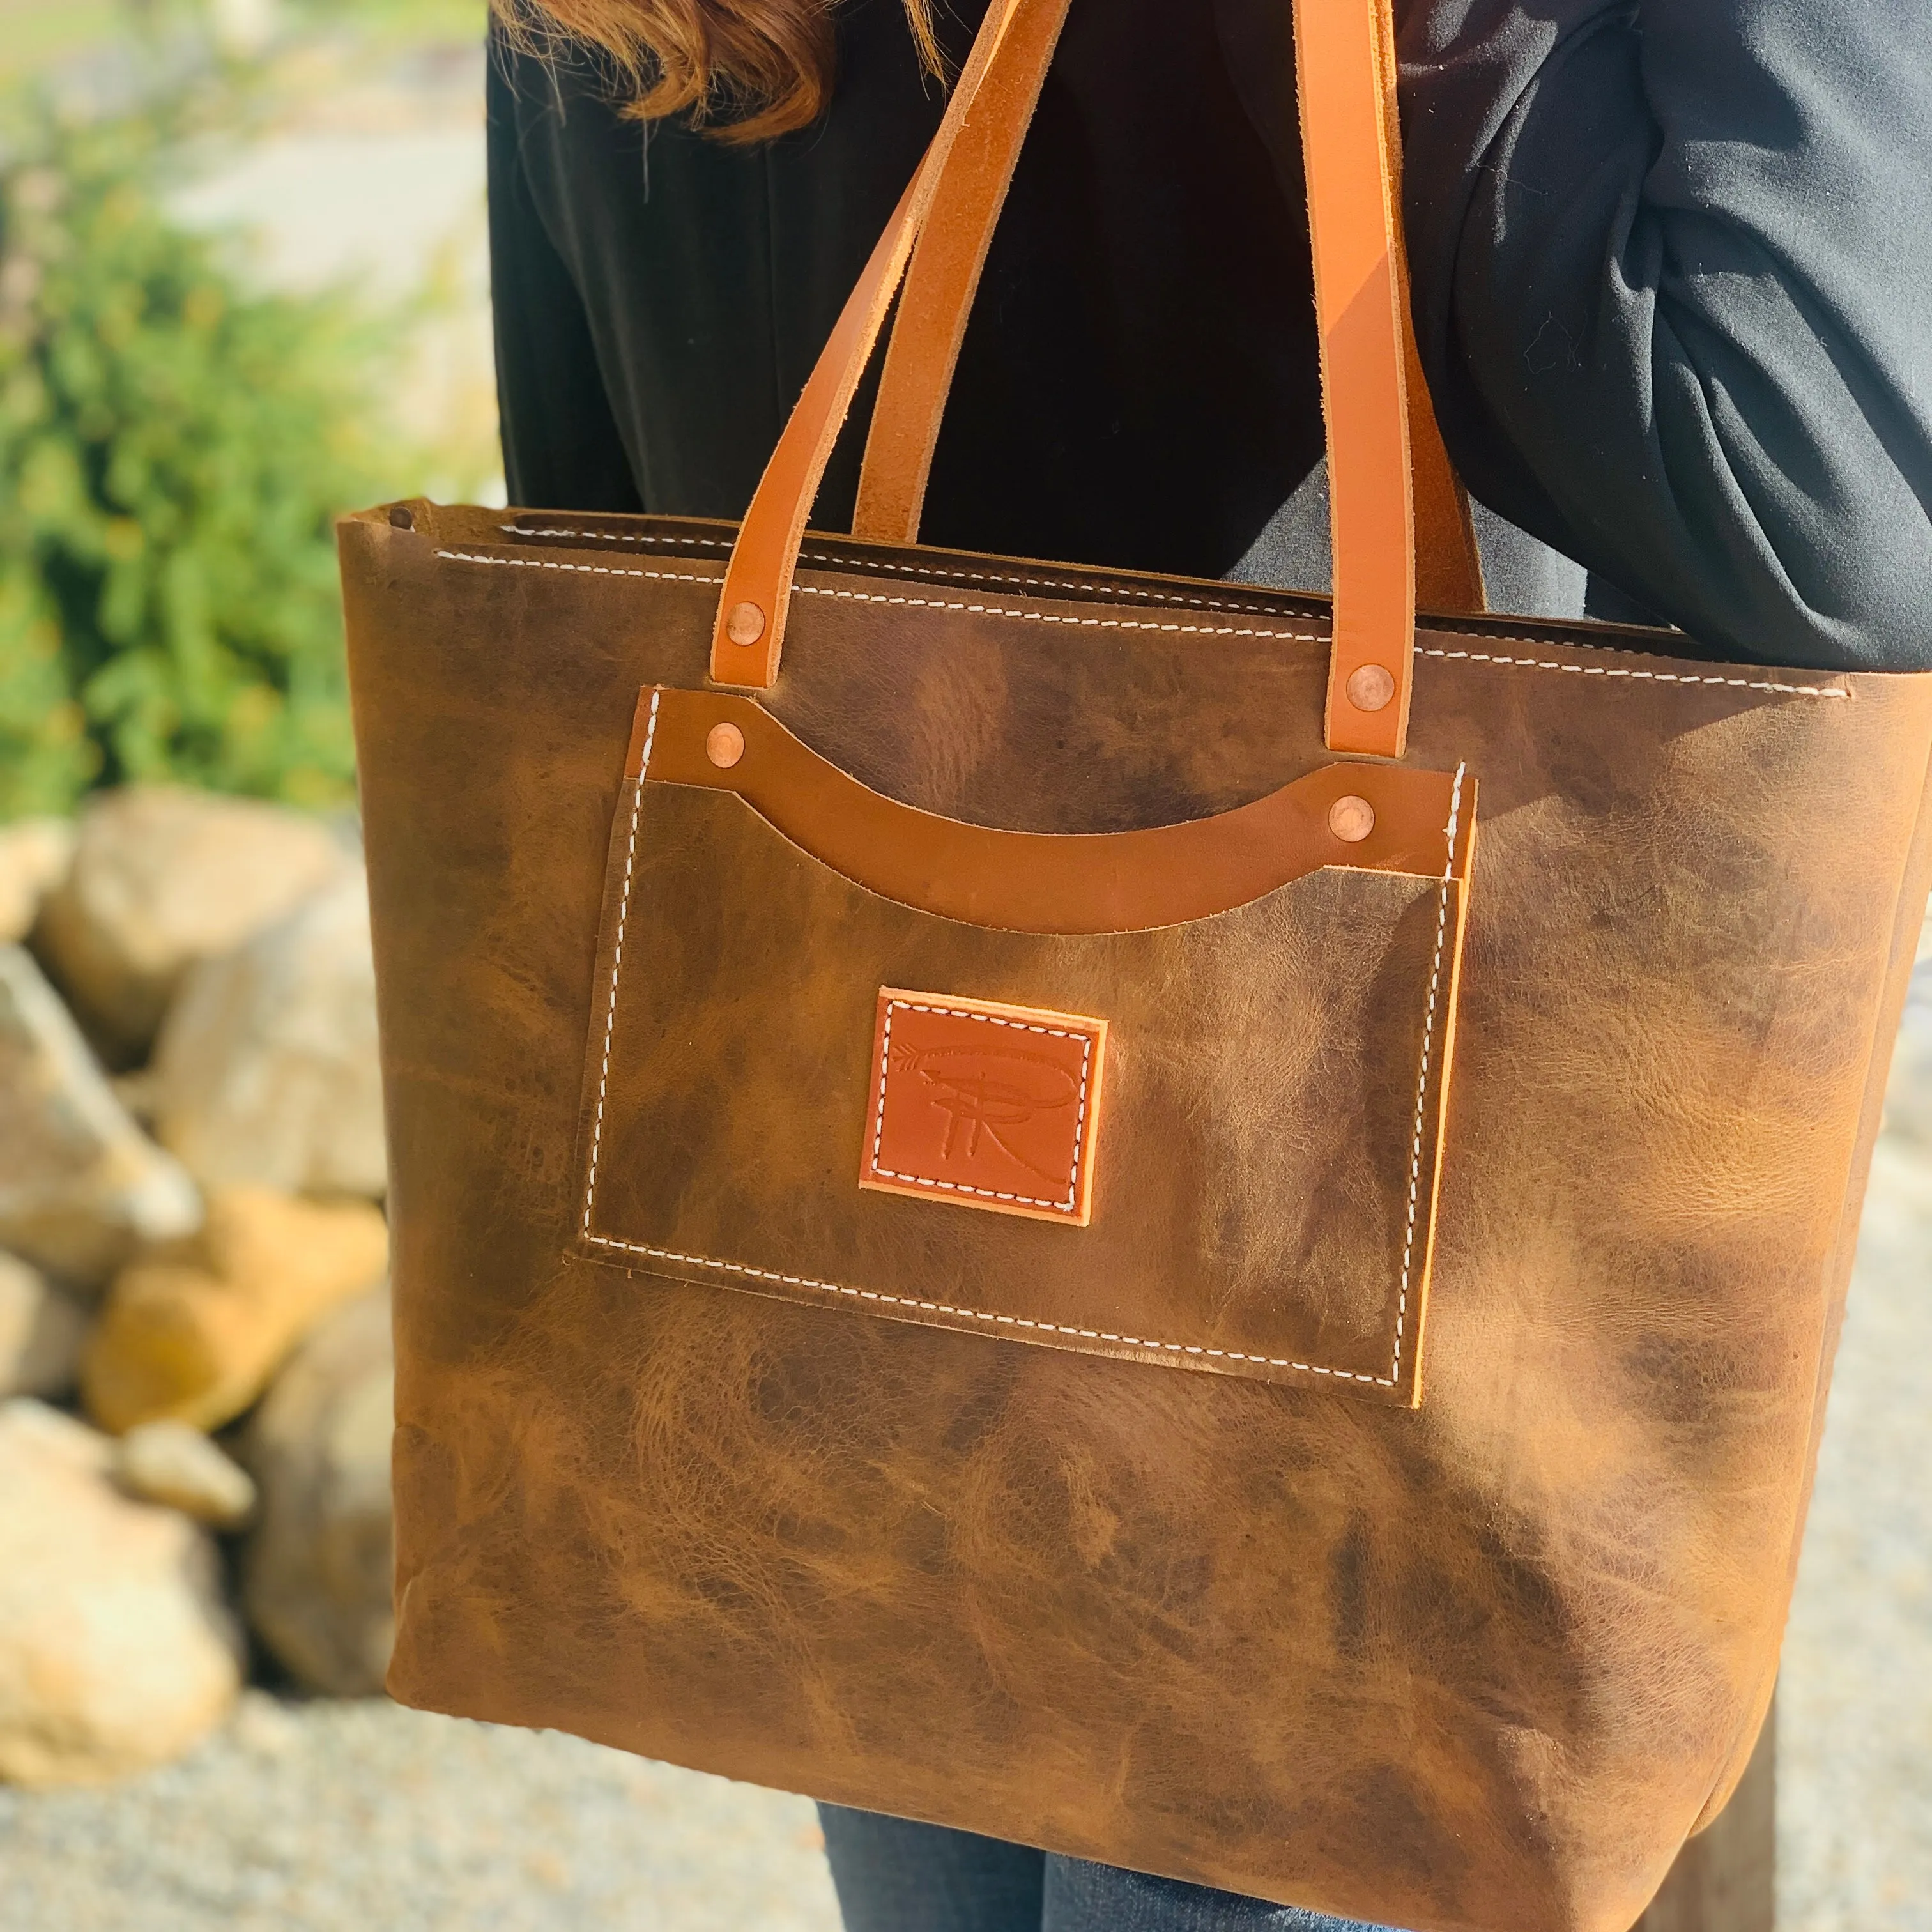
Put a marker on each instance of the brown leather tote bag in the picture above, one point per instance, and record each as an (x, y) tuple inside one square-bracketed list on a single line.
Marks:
[(1165, 1220)]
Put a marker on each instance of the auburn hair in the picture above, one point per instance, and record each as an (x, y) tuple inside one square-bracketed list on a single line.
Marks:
[(749, 68)]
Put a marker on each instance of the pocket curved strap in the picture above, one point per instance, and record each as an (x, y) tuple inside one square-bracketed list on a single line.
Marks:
[(1382, 818)]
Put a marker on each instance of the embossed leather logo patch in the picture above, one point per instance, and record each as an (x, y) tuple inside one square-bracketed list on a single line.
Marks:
[(984, 1105)]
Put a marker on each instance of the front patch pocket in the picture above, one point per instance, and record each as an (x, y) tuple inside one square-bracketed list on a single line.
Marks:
[(1205, 1064)]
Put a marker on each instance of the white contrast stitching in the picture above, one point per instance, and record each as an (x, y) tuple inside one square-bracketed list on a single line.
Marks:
[(1422, 1076), (584, 569), (1619, 671), (981, 1315), (1056, 616), (1086, 1040), (919, 603), (750, 1273), (614, 536), (617, 962), (1187, 630), (1089, 585)]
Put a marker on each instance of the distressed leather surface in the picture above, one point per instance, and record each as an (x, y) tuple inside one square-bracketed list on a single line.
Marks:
[(1475, 1666)]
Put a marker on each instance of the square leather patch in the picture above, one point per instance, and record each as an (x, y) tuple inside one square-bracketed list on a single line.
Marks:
[(984, 1105)]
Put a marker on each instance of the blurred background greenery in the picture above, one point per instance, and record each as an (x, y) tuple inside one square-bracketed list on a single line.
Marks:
[(191, 390), (35, 37)]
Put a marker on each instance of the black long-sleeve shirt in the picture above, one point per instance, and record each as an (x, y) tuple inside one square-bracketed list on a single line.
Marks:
[(1672, 267)]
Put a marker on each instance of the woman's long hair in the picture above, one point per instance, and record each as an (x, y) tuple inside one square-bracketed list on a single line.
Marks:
[(752, 68)]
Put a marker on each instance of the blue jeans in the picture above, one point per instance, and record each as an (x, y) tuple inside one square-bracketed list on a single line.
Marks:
[(894, 1875)]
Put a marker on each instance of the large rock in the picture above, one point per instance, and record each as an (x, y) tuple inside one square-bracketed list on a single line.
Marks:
[(317, 1572), (41, 1333), (116, 1651), (81, 1187), (193, 1333), (170, 1462), (160, 878), (266, 1069), (34, 855)]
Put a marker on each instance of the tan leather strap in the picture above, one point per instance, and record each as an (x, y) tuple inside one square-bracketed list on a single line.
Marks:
[(930, 323), (1362, 315), (757, 600), (1364, 374), (1448, 565)]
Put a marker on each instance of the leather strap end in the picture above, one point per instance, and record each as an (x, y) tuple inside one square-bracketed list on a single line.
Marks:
[(748, 638), (1360, 316), (1349, 728)]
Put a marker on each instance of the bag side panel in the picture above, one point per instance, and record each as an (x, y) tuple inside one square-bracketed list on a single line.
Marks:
[(1915, 885)]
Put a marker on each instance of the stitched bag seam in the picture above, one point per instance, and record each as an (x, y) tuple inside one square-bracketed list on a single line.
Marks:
[(1182, 630), (1071, 1201), (884, 1300), (1422, 1074), (1089, 585)]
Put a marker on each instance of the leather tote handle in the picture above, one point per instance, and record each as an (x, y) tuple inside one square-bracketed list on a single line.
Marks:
[(757, 598), (1345, 65), (930, 322)]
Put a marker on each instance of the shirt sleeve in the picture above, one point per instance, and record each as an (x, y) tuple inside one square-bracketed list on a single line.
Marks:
[(562, 450), (1673, 266)]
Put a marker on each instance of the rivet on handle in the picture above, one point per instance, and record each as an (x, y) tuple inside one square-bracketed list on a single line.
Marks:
[(724, 746), (1352, 819), (745, 625), (1370, 687)]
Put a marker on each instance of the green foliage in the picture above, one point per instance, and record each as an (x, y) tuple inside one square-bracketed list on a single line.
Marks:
[(174, 446), (396, 20)]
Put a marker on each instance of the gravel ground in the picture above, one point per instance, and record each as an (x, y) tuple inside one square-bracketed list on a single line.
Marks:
[(365, 1817), (1855, 1800)]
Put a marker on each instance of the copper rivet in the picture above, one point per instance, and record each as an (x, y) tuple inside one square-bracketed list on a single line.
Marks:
[(1370, 687), (401, 518), (1352, 818), (745, 625), (724, 746)]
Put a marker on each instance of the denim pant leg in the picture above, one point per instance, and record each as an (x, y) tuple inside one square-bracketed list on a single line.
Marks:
[(1084, 1897), (892, 1875)]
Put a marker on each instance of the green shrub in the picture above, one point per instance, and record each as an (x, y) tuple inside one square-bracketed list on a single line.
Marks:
[(174, 446)]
